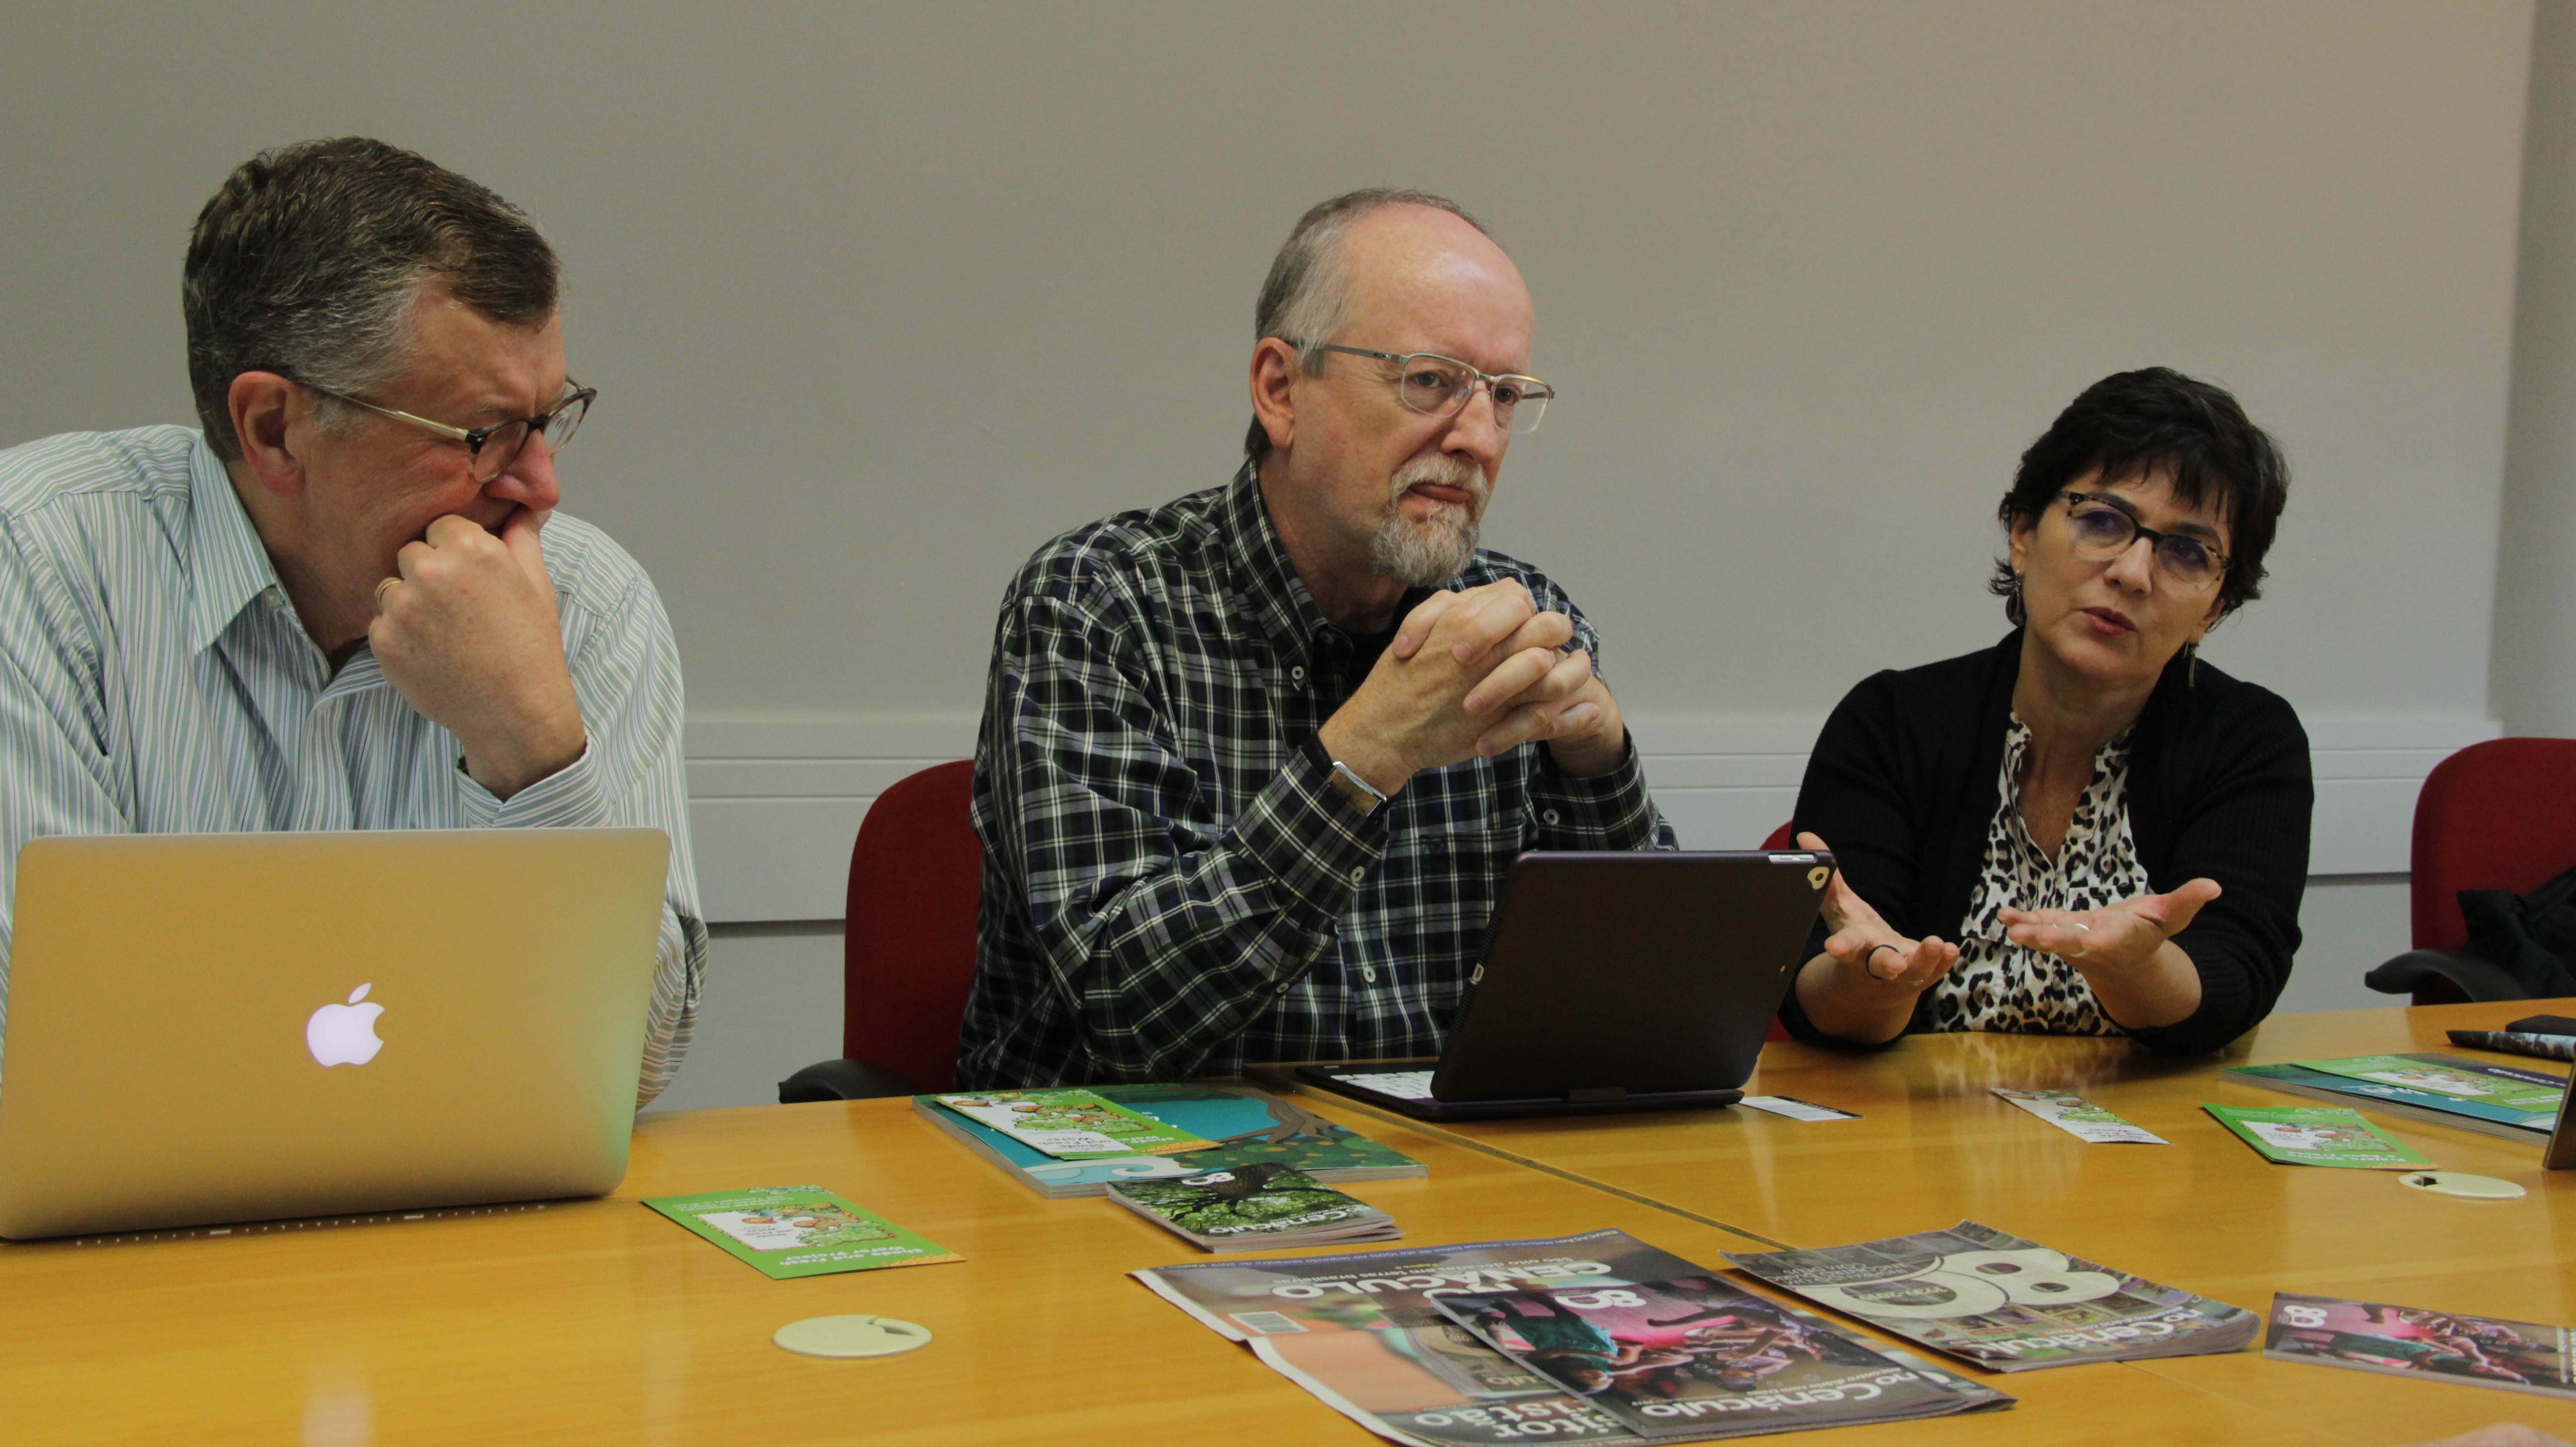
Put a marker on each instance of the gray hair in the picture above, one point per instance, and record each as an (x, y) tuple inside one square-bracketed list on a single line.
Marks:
[(308, 260), (1306, 300)]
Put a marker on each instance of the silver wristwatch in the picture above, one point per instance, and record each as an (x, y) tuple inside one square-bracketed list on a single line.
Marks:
[(1362, 794)]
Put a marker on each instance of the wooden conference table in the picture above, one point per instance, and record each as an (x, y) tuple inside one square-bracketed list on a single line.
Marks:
[(2207, 1214), (600, 1321)]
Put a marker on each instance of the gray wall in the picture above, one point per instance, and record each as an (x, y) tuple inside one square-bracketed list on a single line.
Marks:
[(880, 297), (2535, 643)]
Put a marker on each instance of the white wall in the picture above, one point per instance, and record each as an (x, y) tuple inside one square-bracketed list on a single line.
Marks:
[(2535, 644), (880, 297)]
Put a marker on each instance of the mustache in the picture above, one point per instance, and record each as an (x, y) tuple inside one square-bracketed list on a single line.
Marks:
[(1442, 471)]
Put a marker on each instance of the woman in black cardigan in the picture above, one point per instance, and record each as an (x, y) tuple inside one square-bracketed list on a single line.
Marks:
[(2115, 834)]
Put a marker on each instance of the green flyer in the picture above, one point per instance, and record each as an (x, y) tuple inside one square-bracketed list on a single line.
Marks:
[(790, 1231), (1072, 1125), (2316, 1136), (2462, 1080)]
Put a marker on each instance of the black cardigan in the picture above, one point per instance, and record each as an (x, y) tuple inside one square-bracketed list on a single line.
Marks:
[(1902, 787)]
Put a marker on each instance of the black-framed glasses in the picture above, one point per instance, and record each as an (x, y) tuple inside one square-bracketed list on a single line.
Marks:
[(2102, 530), (489, 451), (1438, 386)]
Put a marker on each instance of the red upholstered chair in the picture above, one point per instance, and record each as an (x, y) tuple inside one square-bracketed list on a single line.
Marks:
[(2496, 815), (908, 947)]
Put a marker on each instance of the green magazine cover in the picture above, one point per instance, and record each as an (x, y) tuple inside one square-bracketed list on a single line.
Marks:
[(2316, 1136), (2529, 1092), (792, 1231)]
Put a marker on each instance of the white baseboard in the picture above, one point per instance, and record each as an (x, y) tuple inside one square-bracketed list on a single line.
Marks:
[(775, 799)]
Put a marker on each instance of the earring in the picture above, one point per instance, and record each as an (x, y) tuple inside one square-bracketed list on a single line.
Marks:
[(2015, 612), (2191, 670)]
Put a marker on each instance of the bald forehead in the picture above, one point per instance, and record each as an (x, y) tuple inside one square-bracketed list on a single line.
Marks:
[(1422, 279)]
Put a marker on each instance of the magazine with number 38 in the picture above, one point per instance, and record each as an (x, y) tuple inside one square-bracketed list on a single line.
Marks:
[(1991, 1298)]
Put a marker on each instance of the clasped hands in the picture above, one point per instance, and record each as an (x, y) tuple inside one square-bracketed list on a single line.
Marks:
[(1477, 673), (2115, 941), (467, 631)]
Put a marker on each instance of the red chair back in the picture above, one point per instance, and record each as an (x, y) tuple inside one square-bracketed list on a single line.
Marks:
[(908, 950), (2496, 815)]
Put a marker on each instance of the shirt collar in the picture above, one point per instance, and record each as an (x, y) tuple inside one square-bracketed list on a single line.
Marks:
[(1265, 577), (1268, 580), (227, 567)]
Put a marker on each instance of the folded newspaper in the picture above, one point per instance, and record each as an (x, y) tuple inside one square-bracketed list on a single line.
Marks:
[(1989, 1297), (1362, 1333), (1260, 1207), (2414, 1341)]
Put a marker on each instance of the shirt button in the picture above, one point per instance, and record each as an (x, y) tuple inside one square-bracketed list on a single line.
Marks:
[(1549, 816), (1283, 988), (1297, 675), (1369, 973), (1358, 875)]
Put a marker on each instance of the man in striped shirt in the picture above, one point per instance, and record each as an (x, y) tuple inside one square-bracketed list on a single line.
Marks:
[(1253, 764), (347, 603)]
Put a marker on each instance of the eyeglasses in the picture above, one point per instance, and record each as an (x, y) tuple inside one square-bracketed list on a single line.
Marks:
[(489, 451), (1438, 386), (2102, 530)]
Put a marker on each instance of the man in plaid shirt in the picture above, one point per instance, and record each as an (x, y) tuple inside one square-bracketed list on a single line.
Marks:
[(1253, 764)]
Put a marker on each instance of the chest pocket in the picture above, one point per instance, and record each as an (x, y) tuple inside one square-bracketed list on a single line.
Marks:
[(1439, 901)]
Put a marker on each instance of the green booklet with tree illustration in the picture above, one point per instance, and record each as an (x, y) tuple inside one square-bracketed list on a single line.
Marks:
[(1254, 1208), (1071, 1124), (791, 1231), (2316, 1135)]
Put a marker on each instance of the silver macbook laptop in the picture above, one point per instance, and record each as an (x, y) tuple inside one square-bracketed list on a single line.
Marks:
[(214, 1028)]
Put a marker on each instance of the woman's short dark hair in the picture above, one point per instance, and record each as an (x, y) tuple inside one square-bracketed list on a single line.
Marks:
[(2156, 422), (307, 260)]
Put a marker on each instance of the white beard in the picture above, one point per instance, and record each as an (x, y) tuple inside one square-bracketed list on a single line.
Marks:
[(1429, 553)]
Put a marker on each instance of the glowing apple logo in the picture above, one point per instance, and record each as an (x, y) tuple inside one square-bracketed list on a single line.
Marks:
[(345, 1034)]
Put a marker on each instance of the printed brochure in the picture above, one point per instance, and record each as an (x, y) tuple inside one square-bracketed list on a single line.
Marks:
[(1260, 1207), (2080, 1118), (2370, 1336), (1360, 1333), (2317, 1135), (792, 1231), (1697, 1358), (2518, 1104), (1072, 1125), (1249, 1127), (1991, 1298)]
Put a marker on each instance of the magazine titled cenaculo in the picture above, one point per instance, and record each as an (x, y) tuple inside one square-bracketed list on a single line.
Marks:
[(1365, 1333)]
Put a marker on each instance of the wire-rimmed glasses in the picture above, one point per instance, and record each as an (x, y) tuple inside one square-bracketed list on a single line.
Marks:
[(489, 451), (1438, 386)]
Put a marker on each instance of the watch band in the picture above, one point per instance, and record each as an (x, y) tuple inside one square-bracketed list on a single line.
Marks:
[(1362, 794)]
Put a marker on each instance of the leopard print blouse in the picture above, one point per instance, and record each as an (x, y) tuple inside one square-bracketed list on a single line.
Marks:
[(1998, 985)]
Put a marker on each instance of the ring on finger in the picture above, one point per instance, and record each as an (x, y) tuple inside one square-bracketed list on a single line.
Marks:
[(381, 585), (1872, 953)]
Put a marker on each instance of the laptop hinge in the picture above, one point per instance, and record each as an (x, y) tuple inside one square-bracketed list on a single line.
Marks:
[(1596, 1094)]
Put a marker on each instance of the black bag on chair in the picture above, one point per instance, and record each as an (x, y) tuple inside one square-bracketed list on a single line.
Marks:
[(2520, 947), (2533, 936)]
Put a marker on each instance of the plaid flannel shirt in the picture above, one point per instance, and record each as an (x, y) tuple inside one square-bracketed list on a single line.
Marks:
[(1172, 887)]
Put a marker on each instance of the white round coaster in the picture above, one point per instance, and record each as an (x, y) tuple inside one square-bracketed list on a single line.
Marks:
[(851, 1336), (2461, 1183)]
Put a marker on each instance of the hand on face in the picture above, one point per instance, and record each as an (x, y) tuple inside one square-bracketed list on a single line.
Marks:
[(2119, 939), (468, 633), (1861, 939)]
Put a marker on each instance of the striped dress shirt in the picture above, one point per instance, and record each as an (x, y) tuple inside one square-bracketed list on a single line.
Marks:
[(1172, 887), (154, 679)]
